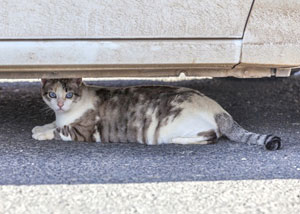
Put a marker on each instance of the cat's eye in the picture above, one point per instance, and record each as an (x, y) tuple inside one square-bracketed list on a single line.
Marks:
[(52, 95), (69, 95)]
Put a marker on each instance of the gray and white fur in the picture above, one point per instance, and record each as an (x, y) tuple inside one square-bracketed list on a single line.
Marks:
[(144, 114)]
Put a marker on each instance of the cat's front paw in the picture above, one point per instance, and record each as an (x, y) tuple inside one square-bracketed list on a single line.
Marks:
[(43, 128), (37, 129), (46, 135)]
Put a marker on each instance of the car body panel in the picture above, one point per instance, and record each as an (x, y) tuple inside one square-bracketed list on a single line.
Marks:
[(101, 38), (115, 19), (272, 36)]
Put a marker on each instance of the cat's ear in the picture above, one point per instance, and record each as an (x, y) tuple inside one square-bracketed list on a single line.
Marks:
[(43, 81), (78, 81)]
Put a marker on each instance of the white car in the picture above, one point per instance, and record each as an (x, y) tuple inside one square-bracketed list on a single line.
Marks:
[(147, 38)]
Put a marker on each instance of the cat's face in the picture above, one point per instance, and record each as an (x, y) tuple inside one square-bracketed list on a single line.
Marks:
[(61, 94)]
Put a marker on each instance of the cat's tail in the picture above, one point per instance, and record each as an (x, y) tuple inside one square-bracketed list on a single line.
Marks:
[(235, 132)]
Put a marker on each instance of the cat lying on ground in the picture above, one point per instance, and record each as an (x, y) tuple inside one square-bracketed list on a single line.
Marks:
[(144, 114)]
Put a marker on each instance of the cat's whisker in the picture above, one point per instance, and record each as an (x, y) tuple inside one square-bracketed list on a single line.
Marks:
[(46, 110)]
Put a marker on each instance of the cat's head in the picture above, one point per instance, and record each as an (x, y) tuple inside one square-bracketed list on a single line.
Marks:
[(61, 94)]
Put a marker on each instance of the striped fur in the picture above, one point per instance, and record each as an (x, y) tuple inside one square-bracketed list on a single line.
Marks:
[(144, 114), (235, 132)]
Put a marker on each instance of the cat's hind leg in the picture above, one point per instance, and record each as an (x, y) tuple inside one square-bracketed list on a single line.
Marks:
[(202, 138)]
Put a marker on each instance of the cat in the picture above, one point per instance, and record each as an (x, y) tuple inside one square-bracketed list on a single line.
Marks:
[(144, 114)]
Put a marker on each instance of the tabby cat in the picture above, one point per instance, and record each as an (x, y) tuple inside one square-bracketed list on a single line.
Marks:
[(145, 114)]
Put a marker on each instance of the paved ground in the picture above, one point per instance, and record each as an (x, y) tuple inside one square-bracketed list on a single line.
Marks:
[(228, 177), (265, 105), (217, 197)]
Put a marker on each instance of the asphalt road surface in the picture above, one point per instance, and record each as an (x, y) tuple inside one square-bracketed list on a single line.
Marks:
[(260, 105)]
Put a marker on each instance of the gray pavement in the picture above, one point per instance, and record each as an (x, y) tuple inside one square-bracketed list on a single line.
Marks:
[(217, 197), (261, 105)]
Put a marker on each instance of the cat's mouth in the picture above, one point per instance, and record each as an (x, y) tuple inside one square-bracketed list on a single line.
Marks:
[(60, 110)]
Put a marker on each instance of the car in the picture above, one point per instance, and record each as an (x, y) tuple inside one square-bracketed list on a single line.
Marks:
[(142, 38)]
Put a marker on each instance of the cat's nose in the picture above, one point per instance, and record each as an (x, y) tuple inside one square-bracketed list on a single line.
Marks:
[(60, 104)]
